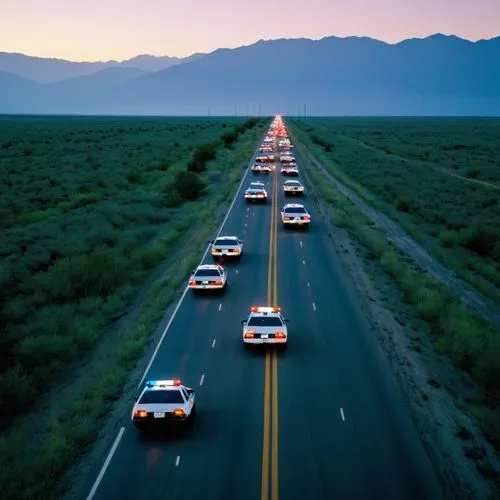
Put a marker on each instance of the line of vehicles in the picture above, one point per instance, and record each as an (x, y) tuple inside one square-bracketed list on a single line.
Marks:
[(163, 402)]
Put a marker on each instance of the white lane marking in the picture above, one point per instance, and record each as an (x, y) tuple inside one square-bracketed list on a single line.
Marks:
[(213, 343), (244, 231), (308, 284), (314, 306), (245, 224), (220, 307), (202, 379), (300, 244), (106, 463), (342, 415), (246, 215), (236, 271), (304, 262), (202, 259), (177, 460)]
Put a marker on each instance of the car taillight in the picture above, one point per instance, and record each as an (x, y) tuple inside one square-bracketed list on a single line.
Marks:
[(236, 250), (218, 282), (287, 218), (279, 335), (249, 335), (140, 413), (179, 412), (192, 282), (306, 217)]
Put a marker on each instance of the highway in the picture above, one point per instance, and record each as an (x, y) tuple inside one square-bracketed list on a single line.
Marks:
[(323, 419)]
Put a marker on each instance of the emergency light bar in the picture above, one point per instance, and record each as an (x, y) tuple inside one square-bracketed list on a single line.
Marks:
[(163, 383), (274, 309)]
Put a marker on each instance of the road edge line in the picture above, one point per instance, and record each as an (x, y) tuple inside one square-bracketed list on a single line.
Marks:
[(106, 464)]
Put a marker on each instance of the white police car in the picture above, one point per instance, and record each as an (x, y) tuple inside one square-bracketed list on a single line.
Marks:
[(227, 246), (208, 277), (295, 214), (163, 402), (293, 188), (256, 193), (265, 325)]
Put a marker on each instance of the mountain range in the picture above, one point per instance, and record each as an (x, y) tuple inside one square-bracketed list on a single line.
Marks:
[(437, 75)]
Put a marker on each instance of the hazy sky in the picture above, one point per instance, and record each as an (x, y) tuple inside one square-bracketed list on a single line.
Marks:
[(119, 29)]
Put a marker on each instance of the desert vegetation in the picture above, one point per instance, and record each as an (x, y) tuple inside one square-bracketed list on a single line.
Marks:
[(438, 177), (90, 208)]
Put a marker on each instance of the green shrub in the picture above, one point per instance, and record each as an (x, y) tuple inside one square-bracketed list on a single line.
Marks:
[(448, 238), (479, 239), (36, 351), (16, 389), (196, 165), (147, 258), (133, 176), (402, 205), (229, 138), (188, 185), (171, 198), (98, 273)]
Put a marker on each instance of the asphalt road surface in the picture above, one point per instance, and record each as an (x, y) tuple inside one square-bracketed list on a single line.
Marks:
[(321, 420)]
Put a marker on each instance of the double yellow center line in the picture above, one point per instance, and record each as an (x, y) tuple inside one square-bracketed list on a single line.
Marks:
[(270, 434)]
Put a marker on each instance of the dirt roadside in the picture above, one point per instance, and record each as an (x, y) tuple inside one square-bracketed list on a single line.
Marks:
[(432, 387), (486, 307)]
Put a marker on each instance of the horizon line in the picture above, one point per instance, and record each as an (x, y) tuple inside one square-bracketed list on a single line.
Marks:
[(119, 61)]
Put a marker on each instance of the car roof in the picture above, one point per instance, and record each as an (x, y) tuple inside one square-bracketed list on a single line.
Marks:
[(227, 238), (210, 266), (294, 205), (292, 181)]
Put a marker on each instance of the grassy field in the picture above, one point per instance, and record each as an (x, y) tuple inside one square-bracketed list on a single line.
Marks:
[(95, 213), (457, 331), (438, 177)]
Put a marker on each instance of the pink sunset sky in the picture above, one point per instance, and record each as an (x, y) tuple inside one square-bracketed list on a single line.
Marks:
[(120, 29)]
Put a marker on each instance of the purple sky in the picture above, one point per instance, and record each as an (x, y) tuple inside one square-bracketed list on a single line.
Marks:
[(119, 29)]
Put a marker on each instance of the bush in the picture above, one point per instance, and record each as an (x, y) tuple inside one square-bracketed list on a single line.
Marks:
[(479, 239), (188, 185), (202, 154), (171, 198), (196, 166), (43, 349), (205, 152), (402, 205), (76, 277), (229, 138), (147, 258), (448, 238)]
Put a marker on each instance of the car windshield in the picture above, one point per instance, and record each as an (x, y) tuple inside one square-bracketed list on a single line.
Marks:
[(265, 321), (162, 397), (226, 241), (207, 272), (292, 183), (295, 210)]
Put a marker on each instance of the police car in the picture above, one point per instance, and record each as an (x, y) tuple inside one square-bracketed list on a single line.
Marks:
[(287, 158), (265, 325), (261, 167), (255, 193), (208, 277), (293, 188), (162, 403), (294, 214), (290, 170), (227, 246)]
